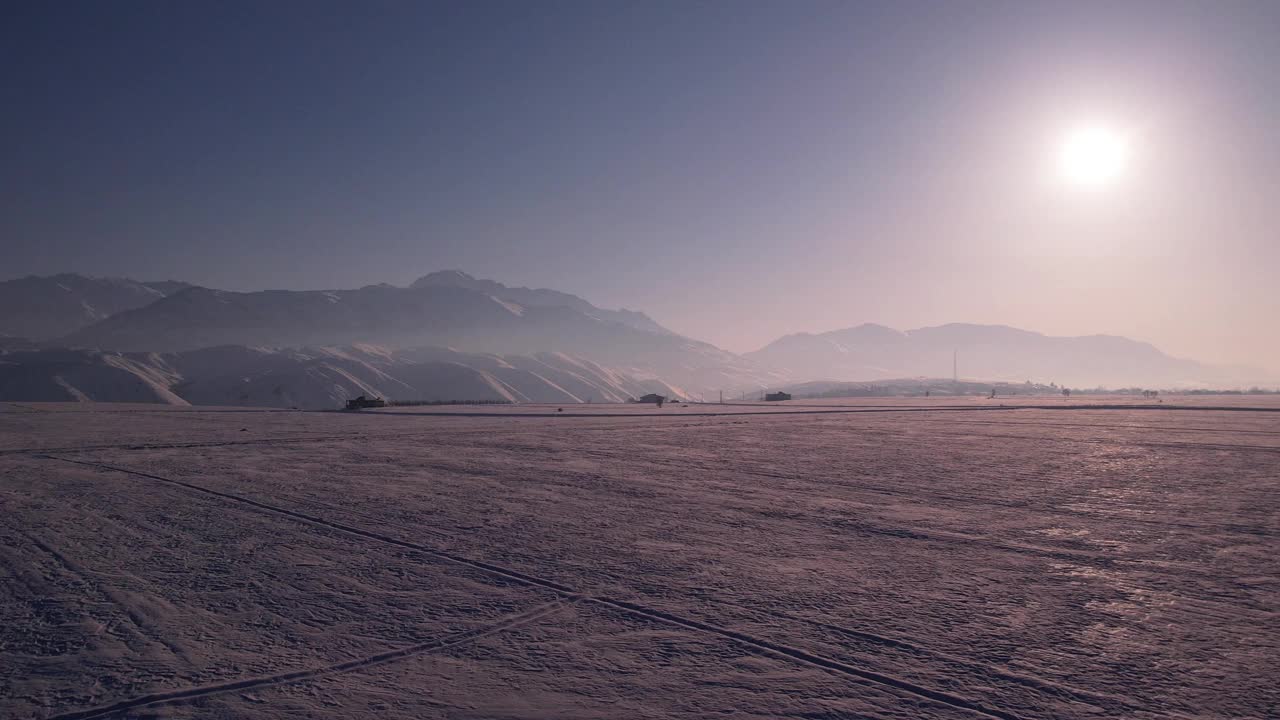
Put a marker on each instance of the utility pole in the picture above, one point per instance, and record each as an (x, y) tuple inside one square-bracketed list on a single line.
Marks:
[(955, 367), (721, 397)]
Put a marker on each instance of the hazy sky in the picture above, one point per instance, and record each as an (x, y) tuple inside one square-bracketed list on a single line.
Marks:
[(738, 170)]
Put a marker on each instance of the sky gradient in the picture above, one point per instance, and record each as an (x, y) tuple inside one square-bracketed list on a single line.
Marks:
[(738, 170)]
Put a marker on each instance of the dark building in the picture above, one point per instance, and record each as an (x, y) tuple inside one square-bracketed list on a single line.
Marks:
[(654, 398), (776, 396), (363, 402)]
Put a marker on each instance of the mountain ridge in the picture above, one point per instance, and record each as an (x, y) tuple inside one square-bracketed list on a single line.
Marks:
[(311, 378), (537, 297), (992, 352), (437, 314), (451, 308), (45, 307)]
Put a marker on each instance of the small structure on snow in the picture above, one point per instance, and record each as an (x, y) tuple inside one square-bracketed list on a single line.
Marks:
[(777, 396), (653, 398), (363, 402)]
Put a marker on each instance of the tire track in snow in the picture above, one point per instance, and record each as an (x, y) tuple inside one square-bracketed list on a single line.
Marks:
[(918, 495), (1153, 428), (505, 573), (750, 643), (25, 408), (146, 629), (675, 416), (198, 444), (1046, 686), (769, 648), (187, 694), (827, 410)]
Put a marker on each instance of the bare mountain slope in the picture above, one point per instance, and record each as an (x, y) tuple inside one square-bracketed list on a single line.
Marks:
[(82, 376), (310, 378)]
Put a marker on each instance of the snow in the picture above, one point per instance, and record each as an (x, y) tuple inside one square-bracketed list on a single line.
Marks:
[(887, 558), (515, 309)]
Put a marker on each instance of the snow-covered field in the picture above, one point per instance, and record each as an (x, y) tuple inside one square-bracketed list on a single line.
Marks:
[(935, 558)]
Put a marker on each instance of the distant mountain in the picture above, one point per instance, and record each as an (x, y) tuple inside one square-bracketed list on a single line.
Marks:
[(40, 308), (472, 315), (986, 352), (9, 342), (310, 378), (538, 298), (915, 387), (452, 310)]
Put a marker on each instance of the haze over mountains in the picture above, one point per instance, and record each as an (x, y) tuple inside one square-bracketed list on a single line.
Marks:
[(451, 336), (446, 310), (987, 352), (42, 308)]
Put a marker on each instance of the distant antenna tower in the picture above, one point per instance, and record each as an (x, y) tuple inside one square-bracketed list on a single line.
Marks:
[(955, 367)]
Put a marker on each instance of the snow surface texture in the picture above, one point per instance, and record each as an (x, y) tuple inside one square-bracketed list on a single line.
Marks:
[(835, 560)]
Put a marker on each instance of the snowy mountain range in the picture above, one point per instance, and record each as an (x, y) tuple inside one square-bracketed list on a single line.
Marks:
[(43, 308), (987, 352), (450, 335), (447, 310), (311, 378), (538, 298)]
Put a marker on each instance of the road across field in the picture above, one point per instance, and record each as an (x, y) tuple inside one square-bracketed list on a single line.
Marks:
[(921, 560)]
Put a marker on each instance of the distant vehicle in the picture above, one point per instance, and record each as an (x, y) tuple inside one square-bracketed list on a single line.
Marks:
[(363, 402), (777, 396)]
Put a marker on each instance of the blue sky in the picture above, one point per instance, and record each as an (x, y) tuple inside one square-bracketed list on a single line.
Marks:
[(737, 169)]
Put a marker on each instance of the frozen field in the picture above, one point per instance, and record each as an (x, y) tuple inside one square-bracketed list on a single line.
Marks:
[(936, 558)]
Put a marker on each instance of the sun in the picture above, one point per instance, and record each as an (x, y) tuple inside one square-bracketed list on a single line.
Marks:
[(1093, 156)]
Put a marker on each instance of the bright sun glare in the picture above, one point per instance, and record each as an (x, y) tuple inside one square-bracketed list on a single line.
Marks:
[(1093, 156)]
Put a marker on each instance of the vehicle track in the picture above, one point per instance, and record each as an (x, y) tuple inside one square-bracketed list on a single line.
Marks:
[(422, 433), (1114, 441), (197, 444), (187, 694), (769, 648), (752, 644), (25, 408), (144, 628), (1010, 402), (828, 410), (1035, 683), (433, 433), (915, 494), (1154, 428), (295, 439)]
